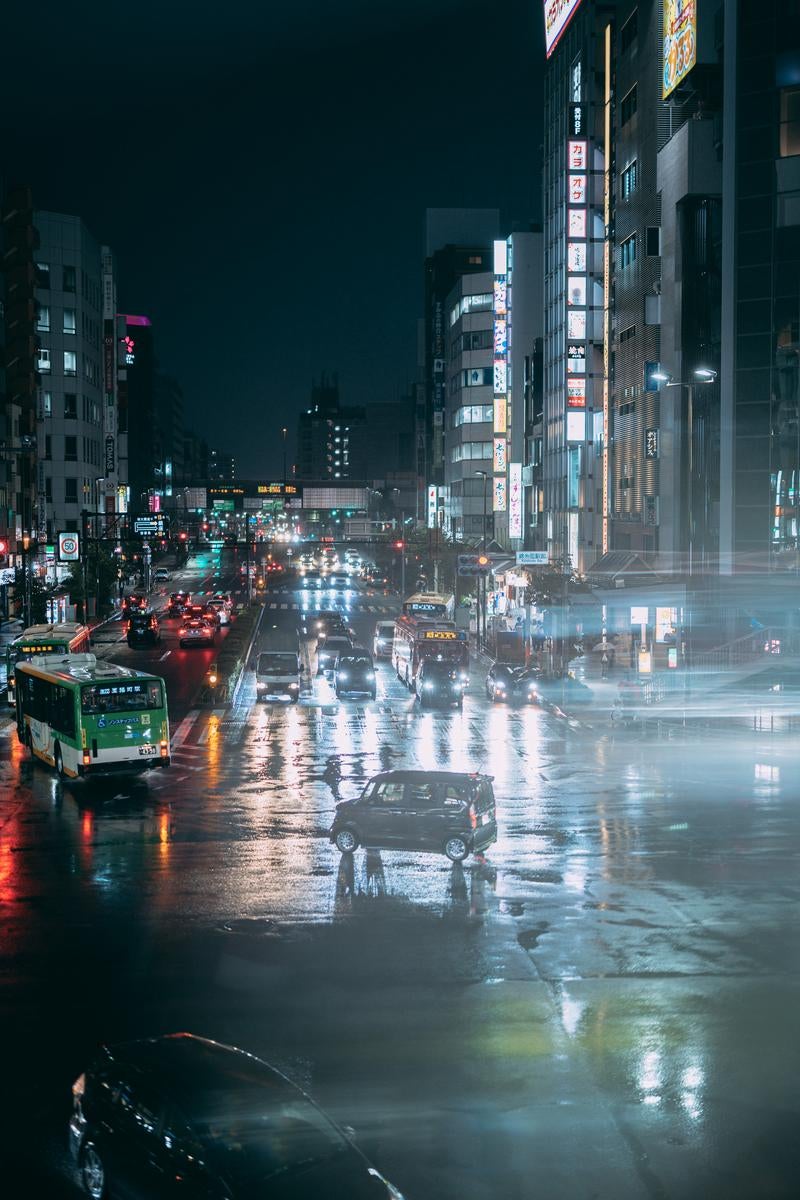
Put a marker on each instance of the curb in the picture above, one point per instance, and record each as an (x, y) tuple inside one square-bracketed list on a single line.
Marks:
[(246, 656)]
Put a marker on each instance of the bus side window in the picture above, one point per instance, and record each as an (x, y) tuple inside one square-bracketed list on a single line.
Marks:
[(62, 711), (154, 695), (38, 697)]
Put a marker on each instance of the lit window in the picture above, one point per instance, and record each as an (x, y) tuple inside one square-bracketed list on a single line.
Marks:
[(43, 361), (42, 275), (627, 251), (47, 403), (790, 122), (70, 325), (629, 180), (43, 319), (70, 362)]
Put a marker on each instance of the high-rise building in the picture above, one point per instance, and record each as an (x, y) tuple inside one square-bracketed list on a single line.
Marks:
[(466, 489), (18, 389), (458, 242), (136, 380), (221, 466), (70, 356), (760, 361), (330, 437), (575, 471)]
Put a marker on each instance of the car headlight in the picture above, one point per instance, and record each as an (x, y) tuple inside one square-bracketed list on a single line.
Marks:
[(294, 687), (498, 691), (261, 687), (370, 674), (427, 687), (343, 675)]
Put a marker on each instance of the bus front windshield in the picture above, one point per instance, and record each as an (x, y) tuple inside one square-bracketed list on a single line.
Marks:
[(140, 695)]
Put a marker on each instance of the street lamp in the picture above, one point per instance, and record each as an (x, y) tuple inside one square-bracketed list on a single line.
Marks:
[(401, 546), (284, 432), (484, 475), (699, 375)]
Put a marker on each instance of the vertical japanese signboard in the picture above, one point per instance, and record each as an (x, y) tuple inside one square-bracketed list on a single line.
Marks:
[(500, 375), (515, 500)]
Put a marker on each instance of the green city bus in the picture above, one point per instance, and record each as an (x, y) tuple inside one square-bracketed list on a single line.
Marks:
[(88, 718), (65, 637)]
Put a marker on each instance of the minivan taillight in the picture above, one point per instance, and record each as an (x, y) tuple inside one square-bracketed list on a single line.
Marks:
[(79, 1086), (473, 816)]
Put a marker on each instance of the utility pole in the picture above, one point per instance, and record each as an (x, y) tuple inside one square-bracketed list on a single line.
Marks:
[(484, 475)]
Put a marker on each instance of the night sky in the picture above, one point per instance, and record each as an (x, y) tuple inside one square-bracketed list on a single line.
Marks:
[(262, 176)]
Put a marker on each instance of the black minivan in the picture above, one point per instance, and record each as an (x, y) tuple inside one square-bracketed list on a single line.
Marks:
[(445, 811), (143, 628)]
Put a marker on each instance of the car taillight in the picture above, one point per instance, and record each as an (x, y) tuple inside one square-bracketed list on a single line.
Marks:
[(473, 817), (79, 1086), (164, 749)]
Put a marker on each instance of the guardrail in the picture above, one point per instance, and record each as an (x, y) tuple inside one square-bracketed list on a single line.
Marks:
[(762, 644)]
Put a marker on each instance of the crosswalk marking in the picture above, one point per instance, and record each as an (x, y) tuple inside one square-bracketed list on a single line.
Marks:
[(182, 732)]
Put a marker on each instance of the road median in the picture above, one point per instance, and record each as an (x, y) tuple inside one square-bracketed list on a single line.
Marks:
[(223, 678)]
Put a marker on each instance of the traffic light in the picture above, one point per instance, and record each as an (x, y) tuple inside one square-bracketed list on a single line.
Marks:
[(399, 545), (3, 550), (483, 560), (183, 536)]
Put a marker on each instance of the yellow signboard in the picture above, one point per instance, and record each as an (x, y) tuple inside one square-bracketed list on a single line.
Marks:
[(440, 635), (680, 42)]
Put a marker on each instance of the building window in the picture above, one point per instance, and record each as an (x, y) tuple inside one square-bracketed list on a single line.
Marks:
[(629, 180), (477, 377), (70, 490), (627, 252), (43, 319), (652, 245), (48, 489), (475, 260), (42, 275), (47, 404), (473, 413), (70, 406), (70, 362), (790, 121), (629, 31), (48, 446), (43, 361), (69, 325), (70, 448), (627, 334), (471, 450), (628, 106), (68, 279)]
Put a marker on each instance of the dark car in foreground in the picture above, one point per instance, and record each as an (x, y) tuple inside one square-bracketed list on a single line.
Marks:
[(354, 673), (182, 1116), (517, 685), (448, 812), (438, 683)]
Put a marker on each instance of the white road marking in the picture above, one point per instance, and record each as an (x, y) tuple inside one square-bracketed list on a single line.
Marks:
[(166, 654), (182, 732)]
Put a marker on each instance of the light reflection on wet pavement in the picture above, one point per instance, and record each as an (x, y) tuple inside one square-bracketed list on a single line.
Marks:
[(605, 1006)]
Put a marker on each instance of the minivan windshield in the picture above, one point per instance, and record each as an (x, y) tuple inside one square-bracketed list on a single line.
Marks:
[(274, 663)]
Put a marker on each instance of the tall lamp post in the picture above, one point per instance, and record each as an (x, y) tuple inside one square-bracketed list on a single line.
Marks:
[(699, 375), (484, 475), (26, 595), (402, 548), (284, 432)]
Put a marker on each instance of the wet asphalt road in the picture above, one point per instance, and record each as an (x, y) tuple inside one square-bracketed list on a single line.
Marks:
[(605, 1007)]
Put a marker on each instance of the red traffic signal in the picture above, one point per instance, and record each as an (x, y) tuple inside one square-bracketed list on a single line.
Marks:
[(3, 547), (399, 545), (184, 536)]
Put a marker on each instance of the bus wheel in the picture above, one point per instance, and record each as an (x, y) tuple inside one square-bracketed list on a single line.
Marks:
[(59, 764)]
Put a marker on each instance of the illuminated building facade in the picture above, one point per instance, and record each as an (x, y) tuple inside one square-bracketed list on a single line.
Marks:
[(576, 417)]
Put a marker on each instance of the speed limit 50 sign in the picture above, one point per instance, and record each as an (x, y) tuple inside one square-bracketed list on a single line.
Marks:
[(69, 547)]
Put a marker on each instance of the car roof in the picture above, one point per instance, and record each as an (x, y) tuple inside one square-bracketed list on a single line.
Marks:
[(187, 1066), (429, 777)]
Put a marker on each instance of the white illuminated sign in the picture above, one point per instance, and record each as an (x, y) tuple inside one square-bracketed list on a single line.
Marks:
[(576, 291), (576, 426), (557, 15), (500, 258), (515, 500), (500, 376), (576, 256), (576, 156), (576, 359), (500, 297), (577, 189), (499, 494), (499, 455), (500, 338), (576, 393), (576, 222), (432, 506), (576, 324)]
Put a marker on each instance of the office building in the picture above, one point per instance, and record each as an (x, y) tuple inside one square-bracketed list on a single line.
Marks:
[(458, 242), (137, 383), (331, 442), (70, 356), (18, 382)]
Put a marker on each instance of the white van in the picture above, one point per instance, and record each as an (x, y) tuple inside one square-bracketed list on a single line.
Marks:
[(278, 675)]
